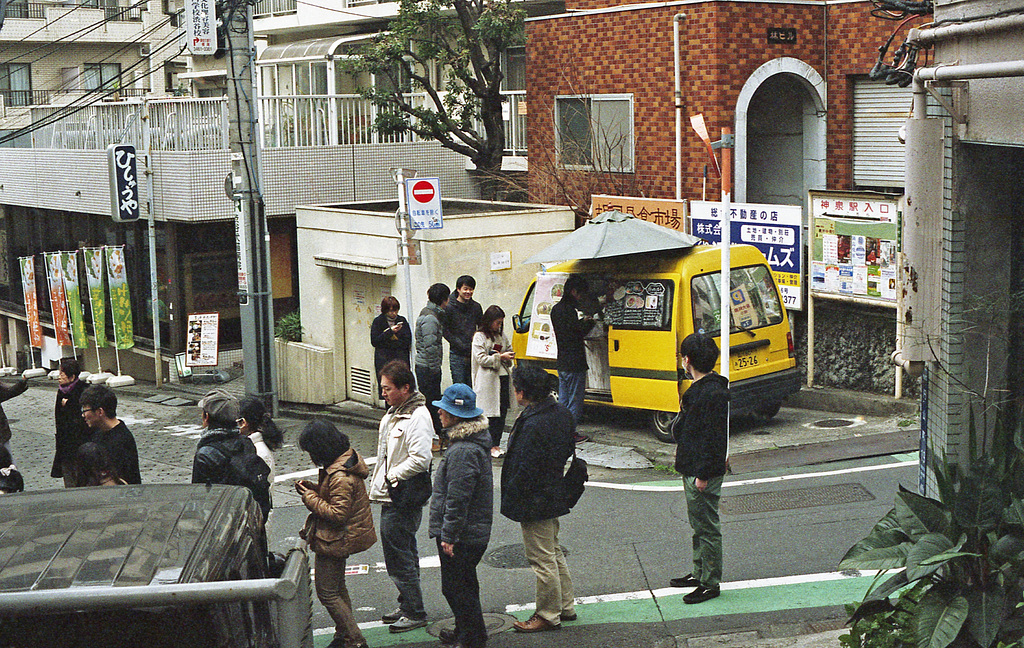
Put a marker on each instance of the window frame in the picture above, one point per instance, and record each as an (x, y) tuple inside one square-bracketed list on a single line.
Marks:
[(602, 165)]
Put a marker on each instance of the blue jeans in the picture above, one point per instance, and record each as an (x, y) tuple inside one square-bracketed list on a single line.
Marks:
[(398, 528), (572, 386), (461, 372)]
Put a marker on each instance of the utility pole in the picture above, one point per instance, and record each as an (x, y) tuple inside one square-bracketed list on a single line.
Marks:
[(253, 237)]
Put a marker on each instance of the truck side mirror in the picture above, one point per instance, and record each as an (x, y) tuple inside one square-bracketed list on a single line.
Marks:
[(518, 325)]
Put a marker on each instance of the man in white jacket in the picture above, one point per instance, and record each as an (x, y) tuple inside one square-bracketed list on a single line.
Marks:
[(403, 461)]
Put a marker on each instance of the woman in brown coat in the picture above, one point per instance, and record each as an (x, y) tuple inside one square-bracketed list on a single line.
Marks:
[(340, 522)]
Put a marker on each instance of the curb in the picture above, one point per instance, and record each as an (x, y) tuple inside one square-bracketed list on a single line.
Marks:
[(844, 401)]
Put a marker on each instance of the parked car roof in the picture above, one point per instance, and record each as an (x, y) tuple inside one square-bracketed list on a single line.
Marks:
[(118, 535)]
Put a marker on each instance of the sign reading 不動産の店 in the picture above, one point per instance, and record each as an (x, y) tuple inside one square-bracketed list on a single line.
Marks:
[(775, 230), (854, 244)]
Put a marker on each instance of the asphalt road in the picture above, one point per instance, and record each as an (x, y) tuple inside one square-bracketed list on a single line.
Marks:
[(785, 525)]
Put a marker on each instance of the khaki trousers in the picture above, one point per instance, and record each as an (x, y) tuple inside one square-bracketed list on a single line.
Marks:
[(331, 590), (554, 585)]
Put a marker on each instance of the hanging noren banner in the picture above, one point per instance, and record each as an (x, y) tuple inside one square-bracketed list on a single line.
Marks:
[(28, 283), (120, 300), (74, 295), (58, 298), (97, 294)]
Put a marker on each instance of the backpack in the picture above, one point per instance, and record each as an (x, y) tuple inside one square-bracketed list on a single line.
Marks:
[(245, 468)]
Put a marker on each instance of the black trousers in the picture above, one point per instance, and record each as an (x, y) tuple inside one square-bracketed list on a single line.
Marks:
[(461, 588)]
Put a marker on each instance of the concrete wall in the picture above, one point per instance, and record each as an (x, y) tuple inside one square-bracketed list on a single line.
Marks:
[(463, 246)]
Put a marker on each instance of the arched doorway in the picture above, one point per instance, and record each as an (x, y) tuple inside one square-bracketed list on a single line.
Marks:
[(780, 134)]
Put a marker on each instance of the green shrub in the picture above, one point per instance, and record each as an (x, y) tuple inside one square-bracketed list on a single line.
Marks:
[(289, 327)]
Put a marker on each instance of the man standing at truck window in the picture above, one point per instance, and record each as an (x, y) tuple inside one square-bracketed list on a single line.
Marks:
[(571, 327), (462, 315)]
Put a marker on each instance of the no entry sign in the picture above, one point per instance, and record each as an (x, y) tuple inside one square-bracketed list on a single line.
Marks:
[(424, 203)]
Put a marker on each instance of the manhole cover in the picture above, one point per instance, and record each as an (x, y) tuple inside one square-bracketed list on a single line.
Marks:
[(795, 498), (833, 423), (510, 557), (494, 623)]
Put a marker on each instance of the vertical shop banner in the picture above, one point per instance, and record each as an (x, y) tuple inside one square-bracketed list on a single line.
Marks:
[(58, 298), (120, 300), (854, 244), (546, 293), (97, 295), (74, 295), (775, 230), (28, 284)]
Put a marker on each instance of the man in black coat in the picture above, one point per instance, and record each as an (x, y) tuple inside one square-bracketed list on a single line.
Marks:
[(702, 438), (539, 446), (571, 327), (99, 409), (461, 317)]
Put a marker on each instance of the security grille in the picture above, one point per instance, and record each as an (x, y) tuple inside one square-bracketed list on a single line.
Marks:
[(878, 113)]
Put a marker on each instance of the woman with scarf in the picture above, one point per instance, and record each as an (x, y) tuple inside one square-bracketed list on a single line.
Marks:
[(72, 430)]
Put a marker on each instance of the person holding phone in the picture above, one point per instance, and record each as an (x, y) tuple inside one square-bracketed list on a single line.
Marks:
[(491, 362), (391, 337)]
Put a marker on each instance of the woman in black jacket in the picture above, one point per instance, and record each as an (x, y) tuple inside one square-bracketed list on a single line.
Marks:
[(72, 430), (540, 444), (391, 337), (461, 511)]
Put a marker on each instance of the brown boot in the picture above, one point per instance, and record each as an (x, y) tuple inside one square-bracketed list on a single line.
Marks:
[(534, 624)]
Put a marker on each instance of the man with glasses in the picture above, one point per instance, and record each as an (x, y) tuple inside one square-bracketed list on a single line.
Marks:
[(99, 409)]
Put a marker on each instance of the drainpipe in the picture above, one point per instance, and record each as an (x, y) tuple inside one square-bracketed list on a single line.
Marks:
[(676, 20)]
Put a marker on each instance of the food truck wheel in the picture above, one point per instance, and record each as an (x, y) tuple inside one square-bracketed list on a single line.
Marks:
[(768, 410), (661, 425)]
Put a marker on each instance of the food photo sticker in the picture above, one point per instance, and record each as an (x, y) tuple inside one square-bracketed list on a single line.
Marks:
[(635, 288), (652, 302), (634, 301)]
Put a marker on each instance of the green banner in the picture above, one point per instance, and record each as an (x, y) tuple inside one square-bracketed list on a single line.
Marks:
[(97, 295), (74, 296), (120, 301)]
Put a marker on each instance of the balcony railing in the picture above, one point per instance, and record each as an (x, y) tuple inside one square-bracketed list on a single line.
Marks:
[(14, 98), (26, 10), (175, 125), (331, 120), (266, 8)]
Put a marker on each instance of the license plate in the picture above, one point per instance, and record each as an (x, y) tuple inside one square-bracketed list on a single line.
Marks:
[(744, 361)]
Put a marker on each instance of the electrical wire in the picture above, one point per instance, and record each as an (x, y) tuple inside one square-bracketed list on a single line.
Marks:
[(89, 99)]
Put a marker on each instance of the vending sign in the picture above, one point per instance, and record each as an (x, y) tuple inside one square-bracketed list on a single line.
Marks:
[(775, 230), (423, 200)]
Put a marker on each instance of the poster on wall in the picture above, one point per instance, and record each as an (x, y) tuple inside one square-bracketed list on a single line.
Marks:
[(668, 213), (547, 292), (58, 297), (201, 340), (854, 245), (775, 230)]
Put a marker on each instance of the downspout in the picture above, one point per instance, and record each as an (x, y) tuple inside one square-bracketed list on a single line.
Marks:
[(676, 20)]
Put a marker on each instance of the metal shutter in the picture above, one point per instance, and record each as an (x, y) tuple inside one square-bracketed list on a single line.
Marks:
[(878, 113)]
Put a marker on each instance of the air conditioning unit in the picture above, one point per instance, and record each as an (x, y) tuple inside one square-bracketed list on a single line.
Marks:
[(144, 49)]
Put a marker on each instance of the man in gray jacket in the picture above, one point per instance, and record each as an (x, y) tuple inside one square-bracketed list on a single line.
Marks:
[(430, 350), (461, 511)]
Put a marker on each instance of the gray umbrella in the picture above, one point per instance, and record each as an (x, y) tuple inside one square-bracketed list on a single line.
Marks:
[(613, 233)]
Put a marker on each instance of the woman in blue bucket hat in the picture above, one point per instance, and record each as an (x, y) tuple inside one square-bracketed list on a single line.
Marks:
[(461, 512)]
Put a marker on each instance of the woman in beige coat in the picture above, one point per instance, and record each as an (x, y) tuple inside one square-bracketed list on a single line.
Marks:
[(491, 361), (340, 522)]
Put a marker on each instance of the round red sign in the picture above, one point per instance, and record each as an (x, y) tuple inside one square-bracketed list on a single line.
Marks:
[(423, 191)]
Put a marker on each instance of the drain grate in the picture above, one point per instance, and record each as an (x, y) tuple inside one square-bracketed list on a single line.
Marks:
[(795, 498), (510, 557), (833, 423)]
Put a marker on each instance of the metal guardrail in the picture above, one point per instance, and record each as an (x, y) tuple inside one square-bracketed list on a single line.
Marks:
[(15, 98), (26, 10), (275, 7)]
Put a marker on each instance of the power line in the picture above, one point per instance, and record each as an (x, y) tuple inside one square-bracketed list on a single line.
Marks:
[(91, 98)]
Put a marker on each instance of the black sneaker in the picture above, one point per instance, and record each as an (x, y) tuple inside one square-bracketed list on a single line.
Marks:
[(391, 617), (448, 636), (701, 594), (686, 581)]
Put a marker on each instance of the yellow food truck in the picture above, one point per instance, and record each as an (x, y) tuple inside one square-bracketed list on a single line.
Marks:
[(645, 304)]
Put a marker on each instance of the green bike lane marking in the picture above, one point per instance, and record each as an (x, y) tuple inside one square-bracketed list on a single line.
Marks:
[(791, 593)]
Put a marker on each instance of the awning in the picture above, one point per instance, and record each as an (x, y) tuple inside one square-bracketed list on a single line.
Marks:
[(203, 74), (317, 49), (369, 265)]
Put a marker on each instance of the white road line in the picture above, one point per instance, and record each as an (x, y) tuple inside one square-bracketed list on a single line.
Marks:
[(749, 482)]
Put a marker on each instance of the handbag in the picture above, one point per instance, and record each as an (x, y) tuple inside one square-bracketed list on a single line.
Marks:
[(409, 493), (574, 480)]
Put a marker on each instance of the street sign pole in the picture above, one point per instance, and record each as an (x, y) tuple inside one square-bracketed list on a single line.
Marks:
[(402, 223)]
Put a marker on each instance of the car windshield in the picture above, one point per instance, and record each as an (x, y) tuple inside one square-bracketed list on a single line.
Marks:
[(755, 301)]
